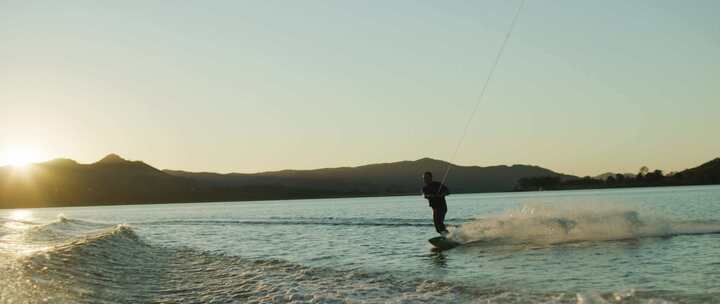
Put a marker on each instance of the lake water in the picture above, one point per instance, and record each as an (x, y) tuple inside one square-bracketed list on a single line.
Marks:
[(642, 245)]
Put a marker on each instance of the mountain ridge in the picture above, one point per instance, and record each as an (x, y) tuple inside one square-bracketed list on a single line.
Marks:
[(116, 180), (388, 178)]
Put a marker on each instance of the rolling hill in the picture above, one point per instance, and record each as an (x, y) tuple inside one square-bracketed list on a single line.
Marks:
[(114, 180)]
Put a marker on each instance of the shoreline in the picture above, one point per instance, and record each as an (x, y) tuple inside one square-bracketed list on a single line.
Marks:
[(80, 205)]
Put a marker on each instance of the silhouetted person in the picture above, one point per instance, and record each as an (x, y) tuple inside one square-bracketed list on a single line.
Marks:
[(435, 193)]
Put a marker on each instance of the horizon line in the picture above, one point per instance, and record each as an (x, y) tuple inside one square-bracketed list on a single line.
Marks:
[(320, 168)]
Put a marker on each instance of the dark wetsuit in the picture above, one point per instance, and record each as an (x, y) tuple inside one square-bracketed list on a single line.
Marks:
[(435, 193)]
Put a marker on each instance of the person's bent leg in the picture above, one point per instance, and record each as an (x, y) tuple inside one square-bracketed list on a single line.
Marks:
[(441, 220), (437, 221)]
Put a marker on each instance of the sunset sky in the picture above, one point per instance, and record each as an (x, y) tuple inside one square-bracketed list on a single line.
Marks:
[(243, 86)]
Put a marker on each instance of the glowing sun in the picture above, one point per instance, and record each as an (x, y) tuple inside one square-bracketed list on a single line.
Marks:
[(19, 157)]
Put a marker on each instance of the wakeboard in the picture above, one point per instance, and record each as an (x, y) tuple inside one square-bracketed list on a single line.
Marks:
[(443, 243)]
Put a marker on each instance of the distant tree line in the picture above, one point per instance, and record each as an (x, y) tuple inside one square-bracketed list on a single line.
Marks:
[(707, 174)]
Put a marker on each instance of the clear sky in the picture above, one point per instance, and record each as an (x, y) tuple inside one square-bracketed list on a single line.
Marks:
[(583, 87)]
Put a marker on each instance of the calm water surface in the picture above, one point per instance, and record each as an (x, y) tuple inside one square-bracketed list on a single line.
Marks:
[(631, 245)]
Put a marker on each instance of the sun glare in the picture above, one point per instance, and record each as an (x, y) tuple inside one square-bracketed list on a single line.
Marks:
[(19, 157), (21, 215)]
